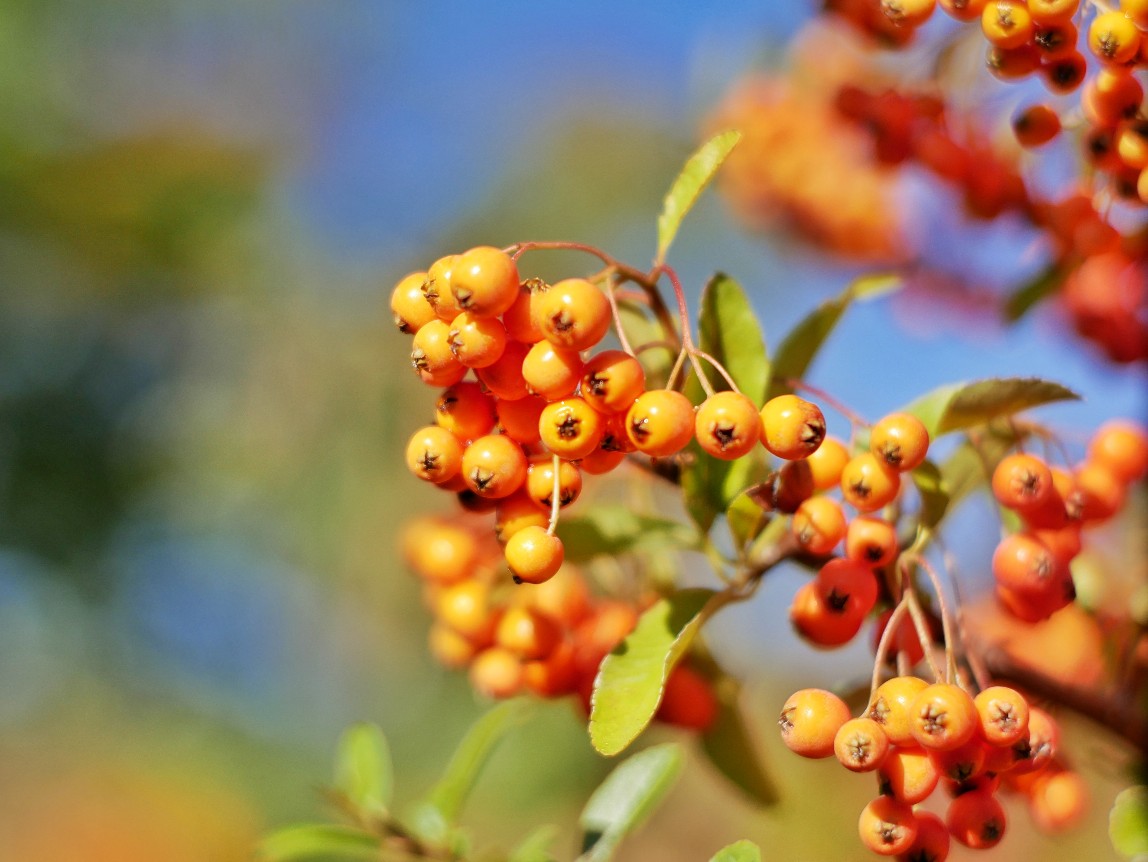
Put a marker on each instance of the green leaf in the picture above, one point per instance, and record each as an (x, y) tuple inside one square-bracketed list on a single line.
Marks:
[(616, 530), (1033, 291), (746, 519), (535, 847), (731, 749), (632, 678), (317, 841), (739, 851), (800, 347), (363, 770), (1128, 821), (448, 796), (930, 484), (956, 406), (729, 331), (627, 796), (710, 485), (689, 184)]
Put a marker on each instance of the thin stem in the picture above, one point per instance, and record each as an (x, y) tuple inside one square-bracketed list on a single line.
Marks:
[(946, 616), (707, 387), (677, 368), (688, 345), (617, 317), (853, 417), (719, 368), (625, 270), (555, 496), (883, 645), (650, 345)]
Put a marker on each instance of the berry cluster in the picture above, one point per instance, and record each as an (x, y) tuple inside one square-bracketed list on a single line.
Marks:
[(1031, 566), (547, 641), (915, 736)]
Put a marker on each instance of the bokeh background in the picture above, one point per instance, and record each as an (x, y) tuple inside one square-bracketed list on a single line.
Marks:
[(203, 208)]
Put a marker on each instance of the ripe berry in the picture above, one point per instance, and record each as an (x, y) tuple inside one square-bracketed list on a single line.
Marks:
[(1101, 494), (1038, 747), (496, 673), (570, 428), (961, 764), (887, 827), (900, 440), (533, 555), (432, 358), (572, 314), (449, 648), (1058, 801), (932, 841), (1112, 95), (727, 425), (792, 485), (847, 586), (791, 427), (1054, 41), (810, 720), (872, 541), (907, 775), (827, 463), (519, 318), (1003, 714), (516, 513), (908, 13), (860, 745), (612, 380), (484, 281), (494, 466), (466, 608), (1065, 74), (963, 10), (1113, 38), (1021, 482), (976, 819), (1122, 448), (1052, 11), (868, 484), (1006, 23), (436, 288), (1023, 564), (818, 524), (527, 633), (943, 717), (820, 623), (408, 305), (904, 640), (688, 700), (891, 707), (465, 411), (550, 371), (439, 550), (1036, 125), (476, 342), (518, 419), (503, 378), (660, 422), (554, 675), (540, 483), (434, 454)]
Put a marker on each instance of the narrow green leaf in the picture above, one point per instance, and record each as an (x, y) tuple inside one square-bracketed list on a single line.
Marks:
[(746, 519), (363, 770), (801, 345), (957, 406), (930, 484), (739, 851), (632, 678), (627, 796), (535, 847), (689, 184), (1128, 821), (710, 485), (1030, 293), (729, 331), (449, 795), (616, 530), (731, 749), (317, 841)]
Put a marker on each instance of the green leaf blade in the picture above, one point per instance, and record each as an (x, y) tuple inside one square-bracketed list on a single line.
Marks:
[(695, 175), (729, 331), (627, 796), (632, 678), (1033, 291), (364, 773), (307, 841), (616, 530), (1128, 821), (739, 851), (957, 406)]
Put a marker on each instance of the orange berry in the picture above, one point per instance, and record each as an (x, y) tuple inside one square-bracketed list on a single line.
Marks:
[(1003, 714), (688, 700), (1113, 38), (564, 597), (466, 608), (1038, 747), (791, 427), (449, 648), (433, 360), (1009, 64), (905, 638), (550, 371), (1111, 95), (847, 585), (810, 720), (963, 10), (860, 745), (1122, 448), (518, 419), (791, 486), (1021, 482), (1101, 494), (436, 289), (519, 318), (1025, 565), (1006, 23), (1036, 125), (494, 466), (572, 314), (533, 555), (727, 425), (821, 624), (465, 411), (908, 13), (439, 550), (943, 717), (476, 342), (827, 463), (932, 841), (961, 764), (602, 460), (660, 422), (891, 707), (900, 440), (1137, 10), (570, 428), (496, 673), (612, 380), (872, 541), (527, 633), (1064, 74), (868, 484), (408, 305), (1046, 12), (434, 454), (1058, 801), (818, 524), (540, 483), (976, 819), (484, 281), (907, 775), (1054, 41), (515, 513), (554, 675), (503, 377), (887, 827)]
